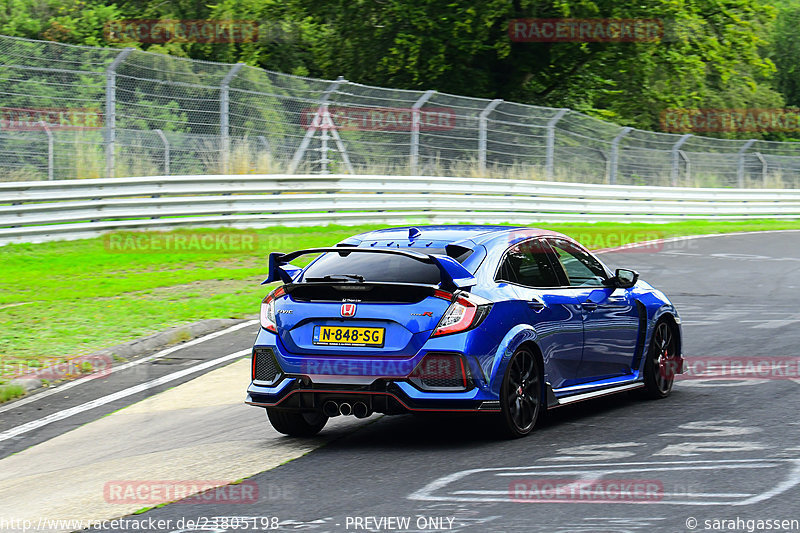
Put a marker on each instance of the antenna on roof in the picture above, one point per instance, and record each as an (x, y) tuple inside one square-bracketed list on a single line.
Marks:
[(413, 233)]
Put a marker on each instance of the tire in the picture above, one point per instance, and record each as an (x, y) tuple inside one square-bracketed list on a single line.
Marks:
[(659, 367), (521, 395), (297, 424)]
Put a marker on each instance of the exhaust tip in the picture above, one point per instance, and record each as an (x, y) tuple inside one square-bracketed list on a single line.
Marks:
[(345, 409), (330, 409), (360, 410)]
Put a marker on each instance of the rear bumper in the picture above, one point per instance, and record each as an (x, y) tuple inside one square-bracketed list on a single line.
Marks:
[(387, 384), (381, 396)]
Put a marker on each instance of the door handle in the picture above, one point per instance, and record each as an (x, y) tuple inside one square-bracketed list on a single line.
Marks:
[(589, 306), (536, 305)]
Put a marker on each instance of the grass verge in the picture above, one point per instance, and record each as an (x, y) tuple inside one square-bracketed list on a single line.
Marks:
[(9, 392), (60, 300)]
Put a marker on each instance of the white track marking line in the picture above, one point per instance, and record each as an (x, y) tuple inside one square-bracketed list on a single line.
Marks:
[(66, 413), (663, 494), (162, 353), (433, 491), (8, 306)]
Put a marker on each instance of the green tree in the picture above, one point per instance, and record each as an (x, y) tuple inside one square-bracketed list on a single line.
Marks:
[(709, 56), (784, 49), (716, 53)]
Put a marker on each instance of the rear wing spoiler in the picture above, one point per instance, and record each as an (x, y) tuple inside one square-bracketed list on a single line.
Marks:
[(454, 275)]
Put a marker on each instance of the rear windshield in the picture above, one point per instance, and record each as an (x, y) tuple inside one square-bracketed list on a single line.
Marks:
[(376, 267)]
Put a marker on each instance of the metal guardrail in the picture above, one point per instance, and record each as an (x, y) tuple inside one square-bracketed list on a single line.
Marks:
[(43, 211)]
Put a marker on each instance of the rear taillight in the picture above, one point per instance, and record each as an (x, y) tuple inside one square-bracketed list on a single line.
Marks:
[(458, 317), (466, 312), (444, 295), (268, 310)]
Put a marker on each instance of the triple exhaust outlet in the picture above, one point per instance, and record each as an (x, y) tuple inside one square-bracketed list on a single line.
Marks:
[(358, 409)]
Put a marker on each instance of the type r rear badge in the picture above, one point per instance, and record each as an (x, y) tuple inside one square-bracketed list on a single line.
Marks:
[(348, 309)]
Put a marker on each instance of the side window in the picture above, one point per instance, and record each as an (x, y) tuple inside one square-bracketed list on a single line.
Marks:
[(527, 264), (581, 268)]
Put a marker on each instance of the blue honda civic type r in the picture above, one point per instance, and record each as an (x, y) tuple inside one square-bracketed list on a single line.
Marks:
[(506, 322)]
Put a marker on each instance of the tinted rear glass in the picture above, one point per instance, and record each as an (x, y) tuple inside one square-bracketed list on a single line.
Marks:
[(527, 264), (376, 267)]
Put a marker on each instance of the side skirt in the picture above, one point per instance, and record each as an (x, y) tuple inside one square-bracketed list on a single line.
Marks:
[(575, 398)]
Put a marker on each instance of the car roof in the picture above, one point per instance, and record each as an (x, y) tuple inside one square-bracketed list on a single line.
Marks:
[(479, 234)]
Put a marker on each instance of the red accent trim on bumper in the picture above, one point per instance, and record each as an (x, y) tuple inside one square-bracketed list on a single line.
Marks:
[(261, 404)]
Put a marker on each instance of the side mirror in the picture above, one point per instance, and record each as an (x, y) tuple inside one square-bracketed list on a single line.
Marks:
[(624, 278)]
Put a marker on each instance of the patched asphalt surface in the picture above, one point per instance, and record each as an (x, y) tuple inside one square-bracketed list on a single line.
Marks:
[(714, 450), (107, 384)]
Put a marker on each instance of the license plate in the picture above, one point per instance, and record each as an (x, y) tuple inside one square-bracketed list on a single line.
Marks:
[(348, 336)]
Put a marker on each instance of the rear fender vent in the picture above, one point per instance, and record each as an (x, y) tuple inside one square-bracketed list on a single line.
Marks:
[(265, 366), (443, 372)]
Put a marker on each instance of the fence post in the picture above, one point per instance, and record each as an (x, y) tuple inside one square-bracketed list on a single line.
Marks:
[(340, 147), (676, 148), (740, 162), (550, 154), (49, 134), (224, 115), (166, 150), (111, 109), (323, 148), (688, 163), (764, 168), (605, 163), (612, 167), (311, 128), (264, 142), (483, 134), (414, 148)]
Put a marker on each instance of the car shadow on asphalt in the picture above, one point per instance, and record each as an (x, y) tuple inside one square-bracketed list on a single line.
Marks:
[(454, 431)]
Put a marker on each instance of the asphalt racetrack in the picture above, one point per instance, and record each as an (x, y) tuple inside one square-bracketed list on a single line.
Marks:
[(717, 455)]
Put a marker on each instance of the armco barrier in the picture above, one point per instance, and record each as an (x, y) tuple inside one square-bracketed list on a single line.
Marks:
[(71, 209)]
